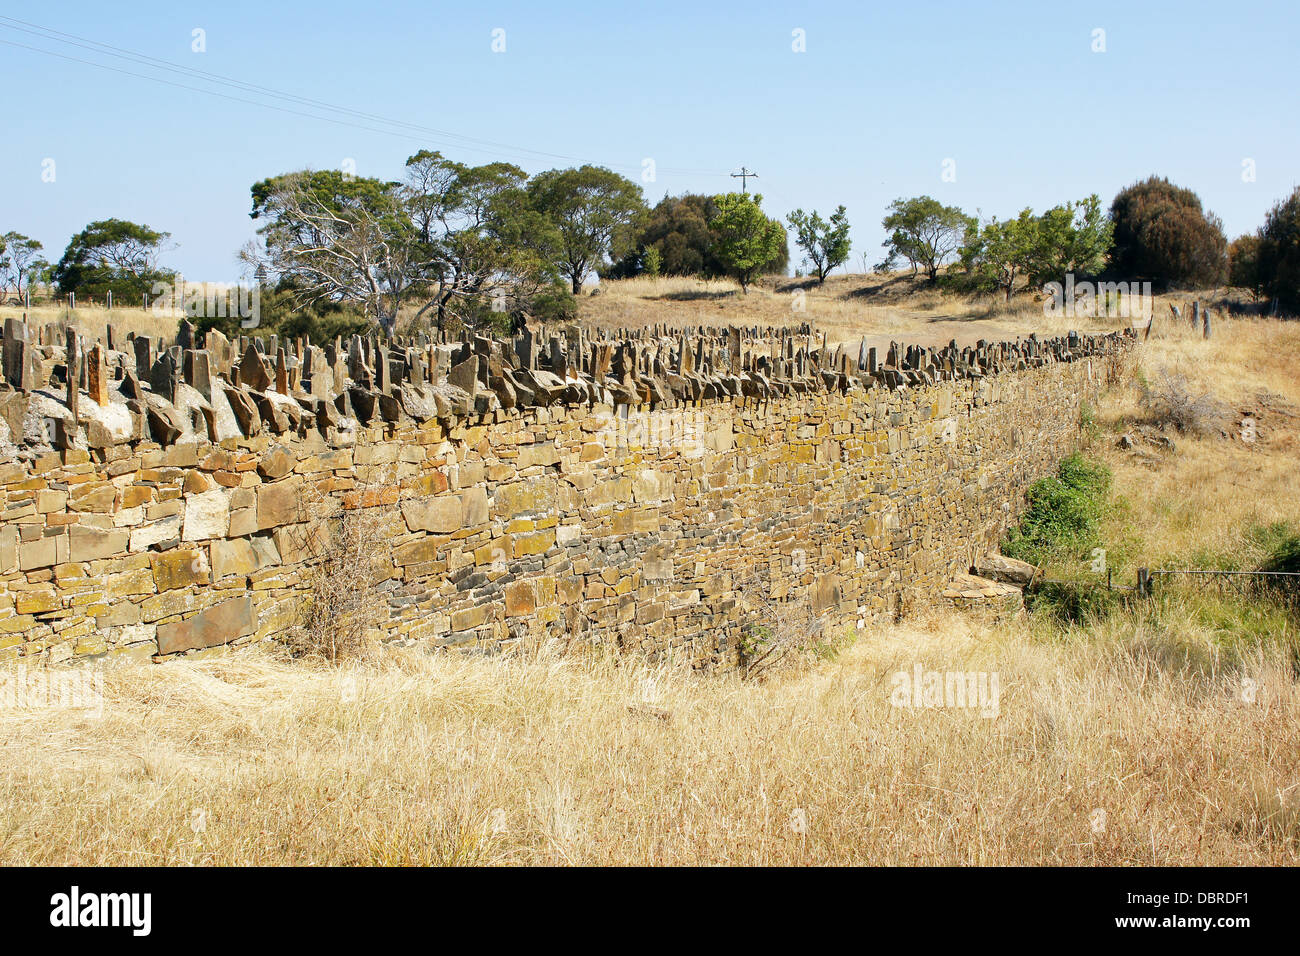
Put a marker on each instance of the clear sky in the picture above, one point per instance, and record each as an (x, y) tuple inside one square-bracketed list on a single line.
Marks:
[(882, 95)]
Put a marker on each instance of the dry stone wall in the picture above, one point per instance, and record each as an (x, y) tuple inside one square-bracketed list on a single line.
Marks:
[(655, 492)]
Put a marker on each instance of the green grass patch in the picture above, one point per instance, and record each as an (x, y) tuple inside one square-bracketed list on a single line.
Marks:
[(1064, 515)]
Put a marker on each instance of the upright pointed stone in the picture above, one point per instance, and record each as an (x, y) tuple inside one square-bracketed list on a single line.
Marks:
[(97, 375), (252, 373), (74, 359), (17, 358)]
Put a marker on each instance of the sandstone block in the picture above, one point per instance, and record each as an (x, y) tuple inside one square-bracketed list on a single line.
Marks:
[(536, 543), (419, 551), (207, 515), (441, 515), (91, 544), (997, 567), (219, 624), (531, 496), (279, 503), (521, 599), (8, 550), (276, 463), (180, 568), (164, 529), (475, 504), (542, 453)]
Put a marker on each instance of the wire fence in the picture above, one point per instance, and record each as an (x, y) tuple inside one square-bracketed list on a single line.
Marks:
[(1281, 586)]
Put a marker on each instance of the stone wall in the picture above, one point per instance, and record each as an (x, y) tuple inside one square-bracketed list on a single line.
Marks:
[(667, 525)]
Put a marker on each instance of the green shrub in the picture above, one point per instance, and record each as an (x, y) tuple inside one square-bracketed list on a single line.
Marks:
[(1064, 514)]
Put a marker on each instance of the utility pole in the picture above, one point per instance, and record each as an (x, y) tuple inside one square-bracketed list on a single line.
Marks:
[(744, 176)]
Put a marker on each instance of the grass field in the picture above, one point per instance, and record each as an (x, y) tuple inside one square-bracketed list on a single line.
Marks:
[(1165, 732)]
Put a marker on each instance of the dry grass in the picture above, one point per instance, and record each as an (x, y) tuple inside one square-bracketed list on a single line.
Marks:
[(418, 759), (93, 320), (1207, 495), (846, 307)]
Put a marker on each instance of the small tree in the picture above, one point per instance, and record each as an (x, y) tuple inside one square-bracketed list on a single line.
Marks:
[(746, 240), (1073, 237), (1279, 253), (825, 243), (112, 254), (1243, 264), (925, 232), (653, 262), (1002, 252), (332, 237), (594, 212), (20, 261)]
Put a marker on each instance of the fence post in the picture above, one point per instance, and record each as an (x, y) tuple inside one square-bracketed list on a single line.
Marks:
[(1144, 582)]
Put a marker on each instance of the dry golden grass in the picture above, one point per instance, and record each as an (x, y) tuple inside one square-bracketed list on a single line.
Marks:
[(1208, 495), (428, 760), (846, 307), (93, 320)]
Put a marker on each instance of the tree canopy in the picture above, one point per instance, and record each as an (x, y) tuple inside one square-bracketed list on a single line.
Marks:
[(483, 242), (925, 232), (1161, 233), (825, 242), (746, 239), (331, 236), (1070, 238), (20, 261), (1279, 253), (112, 254), (594, 212)]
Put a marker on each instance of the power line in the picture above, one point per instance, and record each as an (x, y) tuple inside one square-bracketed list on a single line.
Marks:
[(744, 176), (95, 46)]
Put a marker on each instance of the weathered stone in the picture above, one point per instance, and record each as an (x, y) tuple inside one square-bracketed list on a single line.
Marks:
[(233, 557), (219, 624), (90, 544), (156, 532), (276, 462), (279, 503), (441, 515), (419, 551), (521, 599), (207, 515), (543, 453), (474, 502), (179, 568), (1007, 570)]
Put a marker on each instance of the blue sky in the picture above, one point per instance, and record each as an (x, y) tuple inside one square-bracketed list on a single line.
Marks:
[(1012, 93)]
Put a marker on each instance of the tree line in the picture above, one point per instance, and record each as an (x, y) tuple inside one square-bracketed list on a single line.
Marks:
[(490, 245), (1153, 231)]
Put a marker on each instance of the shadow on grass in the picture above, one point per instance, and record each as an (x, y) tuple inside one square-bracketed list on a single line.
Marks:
[(693, 295)]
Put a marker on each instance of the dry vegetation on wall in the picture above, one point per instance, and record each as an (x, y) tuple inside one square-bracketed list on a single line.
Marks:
[(1161, 733)]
